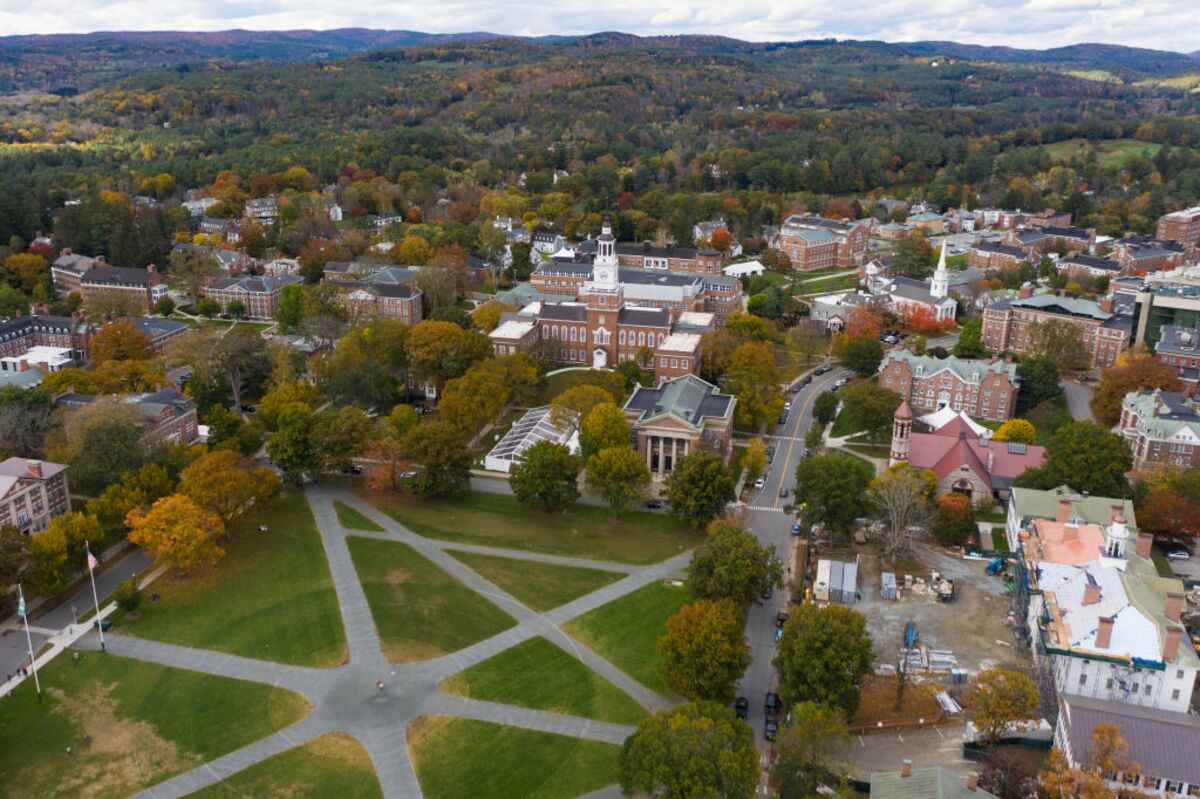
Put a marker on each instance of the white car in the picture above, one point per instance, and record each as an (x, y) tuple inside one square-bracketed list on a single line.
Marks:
[(759, 483), (841, 381), (1178, 554)]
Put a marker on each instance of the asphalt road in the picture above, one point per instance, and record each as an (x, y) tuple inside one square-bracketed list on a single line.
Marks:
[(1078, 396), (772, 526)]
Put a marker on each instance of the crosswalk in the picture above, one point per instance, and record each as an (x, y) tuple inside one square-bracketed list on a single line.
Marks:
[(765, 508)]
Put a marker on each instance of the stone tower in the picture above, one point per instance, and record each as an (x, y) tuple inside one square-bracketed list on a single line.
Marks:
[(901, 433)]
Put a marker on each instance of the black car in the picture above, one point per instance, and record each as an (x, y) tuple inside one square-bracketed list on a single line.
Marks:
[(824, 368), (780, 619), (804, 381), (773, 704), (767, 592), (783, 418), (742, 707), (654, 504), (770, 729), (104, 624), (770, 454)]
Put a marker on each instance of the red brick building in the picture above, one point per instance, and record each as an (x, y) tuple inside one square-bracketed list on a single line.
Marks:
[(994, 255), (1161, 427), (679, 416), (986, 390), (32, 493), (813, 242), (168, 416), (385, 301), (669, 258), (19, 335), (92, 277), (259, 295), (1180, 226), (1141, 254), (1008, 325)]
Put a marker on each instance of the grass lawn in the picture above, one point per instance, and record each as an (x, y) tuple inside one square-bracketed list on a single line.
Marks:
[(1109, 152), (420, 611), (626, 630), (332, 765), (353, 520), (130, 724), (499, 520), (539, 586), (454, 758), (1046, 418), (739, 452), (845, 424), (537, 674), (999, 539), (554, 385), (270, 598)]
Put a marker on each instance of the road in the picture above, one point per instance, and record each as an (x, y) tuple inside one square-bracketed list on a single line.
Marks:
[(1078, 398), (773, 526)]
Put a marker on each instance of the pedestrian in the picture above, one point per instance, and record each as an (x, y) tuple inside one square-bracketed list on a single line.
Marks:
[(68, 750), (379, 685)]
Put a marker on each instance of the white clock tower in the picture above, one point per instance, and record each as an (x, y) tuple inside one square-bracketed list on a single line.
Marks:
[(605, 275)]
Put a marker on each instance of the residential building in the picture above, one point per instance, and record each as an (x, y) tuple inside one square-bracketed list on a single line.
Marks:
[(1019, 218), (1179, 348), (1090, 265), (1180, 226), (197, 207), (281, 266), (963, 461), (894, 230), (1162, 743), (1142, 254), (813, 242), (927, 221), (681, 415), (258, 295), (169, 416), (1073, 238), (1161, 427), (1025, 505), (994, 255), (1008, 325), (546, 242), (370, 300), (161, 331), (32, 493), (92, 277), (670, 258), (983, 389), (38, 359), (933, 782), (263, 209), (23, 333)]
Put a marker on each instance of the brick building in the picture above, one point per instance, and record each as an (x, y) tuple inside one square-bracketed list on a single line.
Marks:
[(169, 417), (1161, 427), (369, 300), (92, 277), (669, 258), (987, 390), (19, 335), (1179, 348), (1089, 265), (1141, 254), (681, 415), (32, 493), (813, 242), (161, 331), (1180, 226), (259, 295), (994, 255), (1008, 325)]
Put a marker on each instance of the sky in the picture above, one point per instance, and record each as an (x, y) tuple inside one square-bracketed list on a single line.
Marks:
[(1016, 23)]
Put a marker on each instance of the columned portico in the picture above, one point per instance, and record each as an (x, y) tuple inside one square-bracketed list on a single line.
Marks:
[(663, 452)]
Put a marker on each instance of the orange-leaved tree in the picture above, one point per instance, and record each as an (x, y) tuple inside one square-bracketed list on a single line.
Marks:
[(177, 532), (227, 483)]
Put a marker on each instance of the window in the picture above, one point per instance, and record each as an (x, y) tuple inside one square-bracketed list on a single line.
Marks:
[(1083, 679), (1151, 782), (1147, 691), (683, 363), (1175, 694), (1174, 787), (1135, 688), (1179, 674), (622, 336), (674, 363), (1108, 683)]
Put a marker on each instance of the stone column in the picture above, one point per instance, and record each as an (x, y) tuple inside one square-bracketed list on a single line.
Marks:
[(674, 453)]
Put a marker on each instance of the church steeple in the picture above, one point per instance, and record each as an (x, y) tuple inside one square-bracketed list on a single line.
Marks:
[(939, 287)]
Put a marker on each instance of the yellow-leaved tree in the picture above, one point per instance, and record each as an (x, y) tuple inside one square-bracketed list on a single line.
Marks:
[(177, 532), (227, 483)]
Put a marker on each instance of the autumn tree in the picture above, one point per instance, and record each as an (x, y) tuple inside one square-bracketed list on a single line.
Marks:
[(136, 489), (282, 395), (754, 460), (472, 401), (100, 442), (811, 750), (227, 484), (194, 267), (834, 486), (49, 566), (1134, 370), (339, 435), (1108, 754), (178, 533), (1085, 456), (754, 379), (954, 520), (1059, 341), (487, 316), (699, 487), (121, 340), (604, 426), (440, 351), (441, 451), (1000, 698), (571, 407), (386, 464), (732, 566), (25, 271), (619, 475), (822, 655), (547, 475), (901, 494), (1019, 431), (703, 651), (695, 749)]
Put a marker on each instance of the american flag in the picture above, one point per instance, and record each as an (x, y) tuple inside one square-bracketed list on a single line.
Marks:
[(91, 560)]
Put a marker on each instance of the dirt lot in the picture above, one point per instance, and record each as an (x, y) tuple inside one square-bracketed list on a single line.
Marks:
[(972, 626)]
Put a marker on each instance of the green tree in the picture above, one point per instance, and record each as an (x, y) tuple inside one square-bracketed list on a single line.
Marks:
[(862, 355), (402, 419), (699, 487), (970, 339), (696, 749), (619, 476), (164, 306), (14, 555), (703, 651), (49, 566), (603, 427), (128, 595), (548, 475), (100, 443), (1085, 456), (26, 416), (822, 655), (825, 408), (1039, 380), (834, 486), (12, 302), (442, 452), (289, 311), (1060, 341), (811, 748), (814, 439), (731, 565), (291, 447), (208, 307), (193, 267), (872, 407), (754, 379), (1000, 698)]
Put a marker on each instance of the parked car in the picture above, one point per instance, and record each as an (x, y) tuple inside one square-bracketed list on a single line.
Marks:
[(742, 707), (773, 703), (783, 418), (768, 592), (783, 492), (104, 624), (770, 453), (796, 528), (841, 381), (822, 369), (760, 483), (787, 406), (1179, 554), (804, 381), (770, 730), (654, 504)]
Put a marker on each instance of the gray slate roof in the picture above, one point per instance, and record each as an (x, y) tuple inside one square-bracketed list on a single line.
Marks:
[(687, 398), (924, 783), (1162, 742)]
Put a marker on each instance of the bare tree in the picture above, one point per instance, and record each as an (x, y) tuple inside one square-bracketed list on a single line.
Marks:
[(901, 494)]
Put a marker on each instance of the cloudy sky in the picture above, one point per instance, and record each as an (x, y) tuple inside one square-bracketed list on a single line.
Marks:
[(1019, 23)]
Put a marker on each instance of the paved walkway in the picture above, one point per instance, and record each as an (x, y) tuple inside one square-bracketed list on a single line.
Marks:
[(346, 699)]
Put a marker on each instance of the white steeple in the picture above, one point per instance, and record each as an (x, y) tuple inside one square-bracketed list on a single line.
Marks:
[(939, 287)]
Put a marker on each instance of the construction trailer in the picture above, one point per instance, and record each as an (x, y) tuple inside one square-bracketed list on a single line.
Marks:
[(887, 586), (821, 583), (849, 588)]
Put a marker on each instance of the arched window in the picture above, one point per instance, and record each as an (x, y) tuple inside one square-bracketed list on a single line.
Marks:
[(661, 339), (641, 337), (621, 336), (573, 334)]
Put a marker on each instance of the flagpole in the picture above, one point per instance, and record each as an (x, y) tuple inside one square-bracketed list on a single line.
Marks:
[(95, 598), (29, 642)]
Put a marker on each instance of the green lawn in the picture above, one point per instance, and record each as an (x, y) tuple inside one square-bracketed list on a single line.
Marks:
[(353, 520), (539, 586), (1109, 152), (554, 385), (270, 598), (455, 758), (333, 765), (500, 520), (739, 452), (129, 724), (420, 611), (625, 631), (844, 424), (539, 675), (999, 539)]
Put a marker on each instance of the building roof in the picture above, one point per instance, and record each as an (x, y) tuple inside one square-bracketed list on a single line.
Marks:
[(1162, 742), (536, 425), (933, 782), (1001, 249), (103, 274), (688, 399), (25, 325), (1165, 415), (1032, 503), (644, 317), (1095, 263), (156, 327), (806, 221), (968, 370), (681, 342), (1065, 306), (512, 329), (564, 312), (955, 445), (255, 284), (1179, 339)]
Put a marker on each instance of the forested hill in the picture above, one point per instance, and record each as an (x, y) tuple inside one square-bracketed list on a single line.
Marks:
[(70, 63)]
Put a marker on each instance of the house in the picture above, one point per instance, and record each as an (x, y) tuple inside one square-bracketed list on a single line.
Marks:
[(197, 207), (703, 232), (1162, 743), (536, 425), (281, 266), (1025, 505), (169, 416), (928, 222), (1009, 325), (372, 300), (1090, 265), (258, 295), (962, 461), (894, 230), (986, 389), (32, 493), (681, 415), (161, 331), (933, 782), (1182, 227), (813, 242), (546, 242), (1161, 427), (263, 209)]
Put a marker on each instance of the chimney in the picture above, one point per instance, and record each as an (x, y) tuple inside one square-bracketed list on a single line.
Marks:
[(1173, 608), (905, 768), (1144, 542), (35, 469), (152, 269), (1171, 641), (1104, 632), (1106, 304), (972, 781), (1091, 594), (1025, 292), (100, 259), (65, 251), (1064, 510)]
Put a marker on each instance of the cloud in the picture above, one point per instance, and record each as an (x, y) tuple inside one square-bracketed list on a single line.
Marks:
[(1016, 23)]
